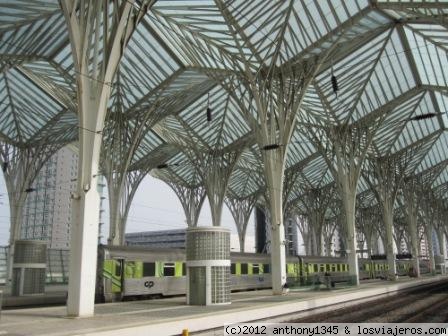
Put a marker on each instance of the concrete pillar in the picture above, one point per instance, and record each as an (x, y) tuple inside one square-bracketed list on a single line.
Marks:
[(95, 64), (86, 205), (389, 240), (349, 200), (428, 232), (443, 251), (274, 169), (411, 218)]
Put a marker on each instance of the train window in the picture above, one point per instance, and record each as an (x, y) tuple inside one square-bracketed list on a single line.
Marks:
[(327, 268), (244, 268), (184, 269), (315, 268), (333, 267), (322, 268), (117, 268), (266, 268), (149, 269), (338, 267), (255, 269), (168, 269), (232, 268)]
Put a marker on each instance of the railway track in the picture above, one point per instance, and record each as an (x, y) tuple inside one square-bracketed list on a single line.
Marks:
[(423, 304)]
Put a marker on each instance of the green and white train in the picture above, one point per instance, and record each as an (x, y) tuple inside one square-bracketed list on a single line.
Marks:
[(126, 272)]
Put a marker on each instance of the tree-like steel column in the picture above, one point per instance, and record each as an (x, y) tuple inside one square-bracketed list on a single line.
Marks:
[(213, 165), (411, 207), (241, 209), (215, 176), (99, 32), (368, 224), (122, 187), (316, 202), (442, 240), (125, 129), (428, 217), (385, 176), (399, 233), (122, 136), (304, 227), (345, 156), (439, 226), (269, 89), (192, 198), (328, 231)]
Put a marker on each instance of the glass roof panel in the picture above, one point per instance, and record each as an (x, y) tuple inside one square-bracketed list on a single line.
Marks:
[(437, 34), (394, 123), (412, 9), (145, 65), (435, 155), (30, 107), (430, 58), (442, 102), (373, 64), (65, 60), (296, 30), (418, 129), (200, 24), (148, 143), (226, 125), (391, 77), (39, 37), (442, 181), (17, 13), (352, 73)]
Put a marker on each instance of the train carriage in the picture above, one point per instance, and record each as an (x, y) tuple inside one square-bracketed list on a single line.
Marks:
[(250, 271), (130, 271)]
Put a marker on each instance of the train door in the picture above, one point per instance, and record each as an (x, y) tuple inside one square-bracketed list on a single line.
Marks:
[(113, 279)]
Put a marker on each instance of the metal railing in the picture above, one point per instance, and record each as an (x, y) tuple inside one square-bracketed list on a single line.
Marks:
[(57, 265)]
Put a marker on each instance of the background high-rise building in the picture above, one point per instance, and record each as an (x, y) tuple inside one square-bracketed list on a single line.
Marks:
[(47, 213), (263, 234)]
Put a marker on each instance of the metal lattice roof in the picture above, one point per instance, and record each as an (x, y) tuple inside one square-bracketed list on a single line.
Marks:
[(390, 60)]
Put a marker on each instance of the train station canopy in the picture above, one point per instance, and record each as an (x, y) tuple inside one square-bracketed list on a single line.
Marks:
[(385, 66)]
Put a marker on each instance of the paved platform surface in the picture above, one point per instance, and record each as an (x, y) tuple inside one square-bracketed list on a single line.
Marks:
[(54, 294), (171, 316)]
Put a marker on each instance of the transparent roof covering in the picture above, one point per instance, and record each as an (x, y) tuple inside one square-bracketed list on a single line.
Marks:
[(390, 60)]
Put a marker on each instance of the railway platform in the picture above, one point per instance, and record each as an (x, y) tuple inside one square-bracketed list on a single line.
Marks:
[(170, 316)]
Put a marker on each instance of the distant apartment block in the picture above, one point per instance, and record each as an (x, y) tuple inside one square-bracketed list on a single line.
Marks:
[(47, 213)]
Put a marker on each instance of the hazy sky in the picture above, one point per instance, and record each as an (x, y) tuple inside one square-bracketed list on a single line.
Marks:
[(155, 207)]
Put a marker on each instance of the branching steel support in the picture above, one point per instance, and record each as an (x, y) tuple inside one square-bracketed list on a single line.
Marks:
[(345, 157), (97, 46), (316, 202), (241, 209), (192, 199), (122, 187), (411, 206), (385, 177)]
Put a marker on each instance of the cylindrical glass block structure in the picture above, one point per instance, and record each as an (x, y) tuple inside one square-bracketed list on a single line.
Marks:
[(439, 261), (29, 264), (208, 266)]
